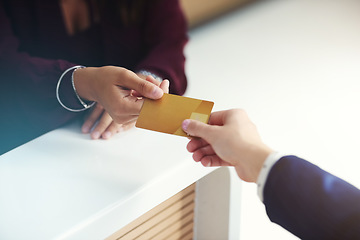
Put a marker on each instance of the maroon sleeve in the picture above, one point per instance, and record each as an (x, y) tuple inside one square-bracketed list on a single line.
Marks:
[(166, 36), (28, 102)]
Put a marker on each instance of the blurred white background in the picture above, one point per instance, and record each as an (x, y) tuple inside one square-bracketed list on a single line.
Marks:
[(294, 65)]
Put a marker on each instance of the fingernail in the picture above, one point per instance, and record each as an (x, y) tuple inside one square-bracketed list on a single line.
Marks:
[(185, 124), (95, 135), (209, 164), (85, 128), (157, 93), (106, 135)]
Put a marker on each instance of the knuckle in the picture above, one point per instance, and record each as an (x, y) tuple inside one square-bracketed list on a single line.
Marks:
[(126, 74), (144, 86), (117, 117), (238, 111), (123, 73), (99, 107), (92, 117)]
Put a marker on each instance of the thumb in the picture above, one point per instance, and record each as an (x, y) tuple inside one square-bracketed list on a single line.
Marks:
[(148, 89), (197, 128)]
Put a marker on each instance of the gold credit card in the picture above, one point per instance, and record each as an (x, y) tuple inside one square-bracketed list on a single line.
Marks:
[(167, 114)]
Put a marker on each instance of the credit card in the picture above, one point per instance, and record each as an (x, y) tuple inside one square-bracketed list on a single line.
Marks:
[(167, 114)]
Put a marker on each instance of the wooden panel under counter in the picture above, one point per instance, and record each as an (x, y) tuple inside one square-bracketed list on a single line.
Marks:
[(172, 219)]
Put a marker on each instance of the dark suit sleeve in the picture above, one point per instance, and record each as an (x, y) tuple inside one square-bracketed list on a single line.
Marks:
[(310, 202)]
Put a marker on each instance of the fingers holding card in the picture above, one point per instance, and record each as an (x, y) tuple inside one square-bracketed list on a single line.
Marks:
[(167, 114)]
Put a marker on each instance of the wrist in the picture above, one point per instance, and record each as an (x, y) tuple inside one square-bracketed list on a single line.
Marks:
[(265, 170), (250, 165), (259, 158), (85, 105), (83, 83)]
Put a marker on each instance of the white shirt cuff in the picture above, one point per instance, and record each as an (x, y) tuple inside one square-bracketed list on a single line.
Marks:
[(264, 172)]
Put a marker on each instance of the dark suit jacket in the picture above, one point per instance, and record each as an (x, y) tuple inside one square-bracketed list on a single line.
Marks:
[(310, 202)]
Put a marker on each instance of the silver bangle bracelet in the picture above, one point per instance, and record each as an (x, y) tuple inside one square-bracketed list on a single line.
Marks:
[(85, 105)]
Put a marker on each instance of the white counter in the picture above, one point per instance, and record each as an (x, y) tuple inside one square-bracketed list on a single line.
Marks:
[(292, 64), (63, 185)]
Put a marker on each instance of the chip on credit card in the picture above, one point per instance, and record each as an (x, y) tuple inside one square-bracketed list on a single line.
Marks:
[(167, 114)]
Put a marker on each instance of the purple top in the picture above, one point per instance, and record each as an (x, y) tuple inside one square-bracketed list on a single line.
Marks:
[(35, 50)]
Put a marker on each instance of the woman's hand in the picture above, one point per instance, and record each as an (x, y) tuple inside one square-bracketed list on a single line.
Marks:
[(99, 122), (230, 139), (111, 87)]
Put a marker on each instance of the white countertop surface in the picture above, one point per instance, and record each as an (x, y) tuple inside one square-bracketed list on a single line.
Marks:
[(294, 65), (63, 185)]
